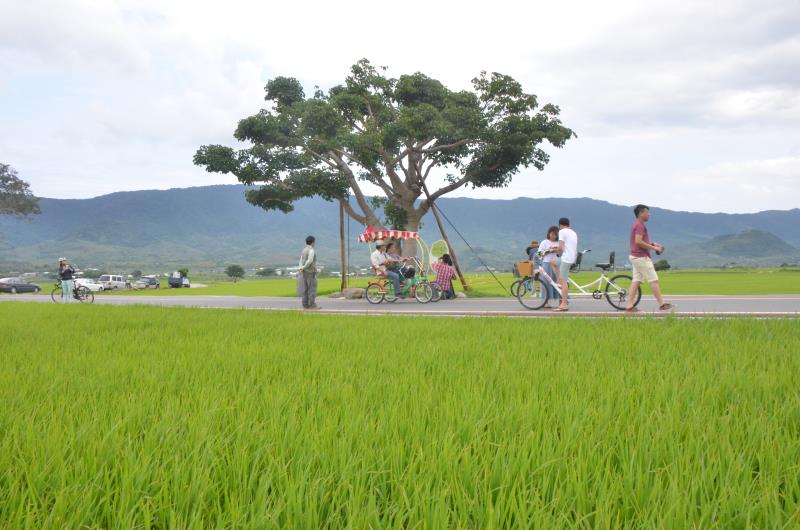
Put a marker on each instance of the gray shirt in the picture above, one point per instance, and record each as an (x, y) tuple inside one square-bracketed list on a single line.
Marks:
[(308, 259)]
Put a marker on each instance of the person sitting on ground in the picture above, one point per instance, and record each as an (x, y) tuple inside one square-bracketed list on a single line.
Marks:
[(380, 264), (445, 273)]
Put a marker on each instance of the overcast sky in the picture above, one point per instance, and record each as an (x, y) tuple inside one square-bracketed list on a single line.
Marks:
[(685, 105)]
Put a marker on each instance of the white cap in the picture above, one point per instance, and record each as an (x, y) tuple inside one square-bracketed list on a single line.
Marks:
[(62, 259), (380, 242)]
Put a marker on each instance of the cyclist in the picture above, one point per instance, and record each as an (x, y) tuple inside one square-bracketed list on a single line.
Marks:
[(380, 262), (66, 274), (549, 249)]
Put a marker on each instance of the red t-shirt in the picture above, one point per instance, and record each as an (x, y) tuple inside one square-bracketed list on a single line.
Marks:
[(636, 250)]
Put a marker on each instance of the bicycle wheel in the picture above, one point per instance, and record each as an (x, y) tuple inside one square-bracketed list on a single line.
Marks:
[(532, 294), (375, 293), (56, 295), (437, 292), (423, 292), (515, 287), (83, 294), (617, 292)]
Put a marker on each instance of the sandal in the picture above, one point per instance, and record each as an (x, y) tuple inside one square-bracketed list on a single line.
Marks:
[(666, 307), (632, 310), (560, 309)]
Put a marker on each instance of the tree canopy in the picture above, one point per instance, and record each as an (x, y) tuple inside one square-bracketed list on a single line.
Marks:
[(393, 133), (235, 272), (16, 197)]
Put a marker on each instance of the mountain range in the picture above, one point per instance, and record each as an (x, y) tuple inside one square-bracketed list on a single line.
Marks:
[(212, 226)]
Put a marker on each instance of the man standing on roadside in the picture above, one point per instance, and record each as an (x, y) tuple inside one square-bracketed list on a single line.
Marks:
[(307, 275), (641, 263), (568, 250)]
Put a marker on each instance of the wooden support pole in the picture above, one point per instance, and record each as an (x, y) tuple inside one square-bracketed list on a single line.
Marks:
[(342, 252), (450, 249)]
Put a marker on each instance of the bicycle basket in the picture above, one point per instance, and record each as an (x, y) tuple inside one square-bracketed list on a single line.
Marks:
[(407, 271), (525, 268)]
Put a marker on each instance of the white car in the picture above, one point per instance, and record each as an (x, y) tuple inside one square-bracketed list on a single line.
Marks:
[(112, 281), (89, 284)]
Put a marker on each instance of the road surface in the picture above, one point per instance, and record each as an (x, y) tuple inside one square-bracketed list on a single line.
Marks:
[(685, 305)]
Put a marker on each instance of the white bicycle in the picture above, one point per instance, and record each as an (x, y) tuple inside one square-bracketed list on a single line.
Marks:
[(533, 292)]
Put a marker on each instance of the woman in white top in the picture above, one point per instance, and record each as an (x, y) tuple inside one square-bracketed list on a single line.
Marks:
[(549, 247)]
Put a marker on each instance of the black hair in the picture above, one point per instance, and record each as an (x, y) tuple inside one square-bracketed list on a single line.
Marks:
[(446, 259), (552, 229), (639, 208), (563, 221), (310, 240)]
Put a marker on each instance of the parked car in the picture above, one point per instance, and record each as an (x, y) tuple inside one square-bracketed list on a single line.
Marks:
[(113, 281), (90, 284), (17, 285), (147, 282), (177, 281)]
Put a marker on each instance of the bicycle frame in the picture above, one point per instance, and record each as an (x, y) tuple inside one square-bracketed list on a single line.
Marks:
[(410, 283), (581, 289)]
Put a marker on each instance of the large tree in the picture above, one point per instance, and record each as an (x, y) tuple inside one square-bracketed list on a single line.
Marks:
[(15, 194), (392, 133)]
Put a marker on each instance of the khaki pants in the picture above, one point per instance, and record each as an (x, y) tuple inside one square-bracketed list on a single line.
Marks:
[(643, 269)]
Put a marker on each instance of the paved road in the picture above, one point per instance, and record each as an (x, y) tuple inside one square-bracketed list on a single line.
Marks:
[(695, 305)]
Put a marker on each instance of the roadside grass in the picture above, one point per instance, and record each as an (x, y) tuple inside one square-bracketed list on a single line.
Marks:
[(752, 281), (148, 417)]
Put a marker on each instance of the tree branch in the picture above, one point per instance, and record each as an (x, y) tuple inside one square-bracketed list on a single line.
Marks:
[(438, 148), (352, 213), (371, 218), (322, 158)]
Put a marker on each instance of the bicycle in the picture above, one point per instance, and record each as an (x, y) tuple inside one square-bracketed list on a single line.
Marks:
[(418, 286), (533, 292), (81, 294)]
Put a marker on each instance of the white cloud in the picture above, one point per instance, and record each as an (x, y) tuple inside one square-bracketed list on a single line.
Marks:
[(118, 95)]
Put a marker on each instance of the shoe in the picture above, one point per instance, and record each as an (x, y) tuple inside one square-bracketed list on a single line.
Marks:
[(666, 307), (313, 307)]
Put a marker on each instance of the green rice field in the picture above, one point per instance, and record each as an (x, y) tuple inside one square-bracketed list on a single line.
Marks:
[(148, 417), (753, 281)]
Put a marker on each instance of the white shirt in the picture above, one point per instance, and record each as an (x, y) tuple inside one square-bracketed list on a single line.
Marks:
[(570, 239), (546, 245), (377, 258)]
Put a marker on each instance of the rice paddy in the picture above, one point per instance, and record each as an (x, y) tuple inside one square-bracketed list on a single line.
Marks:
[(146, 417), (753, 281)]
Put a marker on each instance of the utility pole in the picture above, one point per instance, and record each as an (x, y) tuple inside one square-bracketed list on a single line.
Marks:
[(446, 239), (342, 252)]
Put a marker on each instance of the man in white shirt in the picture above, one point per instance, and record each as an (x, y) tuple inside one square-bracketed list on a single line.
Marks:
[(379, 260), (568, 250)]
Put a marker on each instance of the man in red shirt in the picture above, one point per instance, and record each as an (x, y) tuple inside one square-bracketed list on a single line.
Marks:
[(641, 263)]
